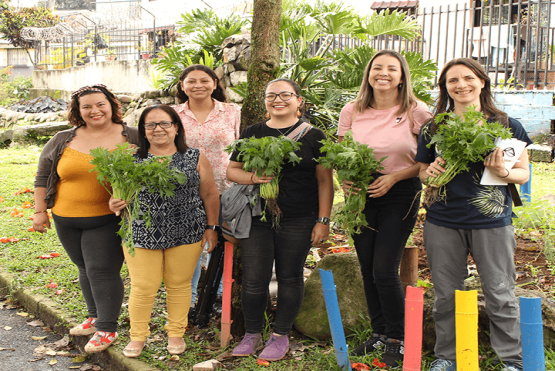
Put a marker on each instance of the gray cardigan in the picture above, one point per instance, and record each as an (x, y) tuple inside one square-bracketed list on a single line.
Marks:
[(238, 210), (47, 172)]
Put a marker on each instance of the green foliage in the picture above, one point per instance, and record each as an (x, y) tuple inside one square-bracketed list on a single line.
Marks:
[(459, 142), (12, 21), (535, 216), (12, 91), (127, 177), (266, 156), (211, 30), (354, 162)]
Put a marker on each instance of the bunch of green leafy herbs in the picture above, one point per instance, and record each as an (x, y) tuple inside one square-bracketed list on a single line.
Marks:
[(461, 141), (126, 177), (266, 156), (353, 162)]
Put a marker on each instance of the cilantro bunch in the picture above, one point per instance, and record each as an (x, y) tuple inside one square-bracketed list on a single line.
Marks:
[(354, 162), (266, 156), (128, 177), (460, 141)]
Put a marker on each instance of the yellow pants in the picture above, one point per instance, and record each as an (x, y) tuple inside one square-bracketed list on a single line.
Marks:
[(146, 270)]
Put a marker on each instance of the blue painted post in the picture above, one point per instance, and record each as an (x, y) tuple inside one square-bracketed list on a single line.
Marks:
[(334, 318), (531, 332), (526, 189)]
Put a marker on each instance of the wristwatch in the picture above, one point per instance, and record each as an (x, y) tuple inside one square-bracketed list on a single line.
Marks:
[(323, 220), (213, 227)]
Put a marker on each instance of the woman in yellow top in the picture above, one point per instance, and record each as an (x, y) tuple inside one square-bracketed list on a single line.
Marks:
[(79, 203)]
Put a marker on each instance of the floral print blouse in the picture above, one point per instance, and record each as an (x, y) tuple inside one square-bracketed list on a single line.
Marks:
[(221, 128)]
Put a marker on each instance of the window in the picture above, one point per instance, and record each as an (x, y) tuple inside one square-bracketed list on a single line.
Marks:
[(17, 57)]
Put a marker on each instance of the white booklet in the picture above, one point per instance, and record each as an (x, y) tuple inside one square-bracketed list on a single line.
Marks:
[(512, 148)]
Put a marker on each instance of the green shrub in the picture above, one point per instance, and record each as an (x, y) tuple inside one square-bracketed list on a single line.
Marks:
[(12, 91)]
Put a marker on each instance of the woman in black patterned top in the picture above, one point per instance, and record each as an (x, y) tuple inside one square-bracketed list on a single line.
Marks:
[(181, 225)]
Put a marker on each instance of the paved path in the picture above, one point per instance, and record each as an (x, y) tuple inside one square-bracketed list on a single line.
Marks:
[(20, 352)]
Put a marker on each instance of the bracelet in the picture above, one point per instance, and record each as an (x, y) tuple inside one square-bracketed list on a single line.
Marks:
[(508, 173), (41, 211), (252, 176)]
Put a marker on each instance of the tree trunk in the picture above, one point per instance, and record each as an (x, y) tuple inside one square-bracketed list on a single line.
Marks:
[(263, 68)]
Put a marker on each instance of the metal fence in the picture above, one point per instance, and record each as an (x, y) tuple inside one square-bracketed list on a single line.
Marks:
[(513, 40)]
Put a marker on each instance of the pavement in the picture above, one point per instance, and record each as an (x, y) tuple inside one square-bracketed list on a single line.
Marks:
[(52, 316)]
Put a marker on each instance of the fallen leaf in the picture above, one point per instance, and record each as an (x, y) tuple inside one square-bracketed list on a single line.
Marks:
[(59, 292), (31, 229), (7, 328), (262, 362), (63, 342), (1, 199), (55, 254), (12, 349), (52, 285), (360, 366), (22, 314), (50, 352), (52, 362), (85, 367), (63, 353), (79, 359), (36, 323), (74, 367), (376, 362), (40, 349), (174, 358), (36, 338)]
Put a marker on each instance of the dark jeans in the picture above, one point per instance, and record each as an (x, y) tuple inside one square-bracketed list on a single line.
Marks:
[(94, 246), (288, 246), (392, 218)]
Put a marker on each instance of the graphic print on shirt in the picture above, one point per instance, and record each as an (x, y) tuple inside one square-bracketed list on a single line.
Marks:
[(489, 200)]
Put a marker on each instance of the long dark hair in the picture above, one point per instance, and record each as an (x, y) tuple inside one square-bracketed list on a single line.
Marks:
[(295, 87), (217, 94), (444, 102), (179, 140), (74, 116)]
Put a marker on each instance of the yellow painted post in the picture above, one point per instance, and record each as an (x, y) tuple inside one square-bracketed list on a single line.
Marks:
[(466, 327)]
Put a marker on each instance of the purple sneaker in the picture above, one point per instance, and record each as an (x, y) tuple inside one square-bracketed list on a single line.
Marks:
[(248, 346), (276, 348)]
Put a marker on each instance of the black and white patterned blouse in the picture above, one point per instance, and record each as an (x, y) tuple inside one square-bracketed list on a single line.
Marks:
[(177, 220)]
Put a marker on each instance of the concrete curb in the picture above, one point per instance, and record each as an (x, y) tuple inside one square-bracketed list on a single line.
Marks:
[(53, 317)]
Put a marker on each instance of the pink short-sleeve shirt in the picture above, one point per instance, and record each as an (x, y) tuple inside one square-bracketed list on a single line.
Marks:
[(221, 128), (387, 132)]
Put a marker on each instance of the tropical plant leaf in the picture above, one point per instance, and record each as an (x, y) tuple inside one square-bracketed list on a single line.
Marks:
[(387, 23)]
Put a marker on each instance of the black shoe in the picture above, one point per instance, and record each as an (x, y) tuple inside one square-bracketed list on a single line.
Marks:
[(373, 343), (217, 307), (393, 353)]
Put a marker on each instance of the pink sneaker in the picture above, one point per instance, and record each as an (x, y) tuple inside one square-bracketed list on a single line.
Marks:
[(86, 328), (100, 341)]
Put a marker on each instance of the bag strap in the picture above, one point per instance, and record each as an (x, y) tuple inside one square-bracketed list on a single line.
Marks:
[(514, 194), (299, 132)]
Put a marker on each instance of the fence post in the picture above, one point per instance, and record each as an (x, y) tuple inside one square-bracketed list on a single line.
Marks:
[(526, 188)]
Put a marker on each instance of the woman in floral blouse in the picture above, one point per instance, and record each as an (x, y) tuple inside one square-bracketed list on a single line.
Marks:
[(210, 125)]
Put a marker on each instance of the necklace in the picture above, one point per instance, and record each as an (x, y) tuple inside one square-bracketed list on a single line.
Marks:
[(287, 132)]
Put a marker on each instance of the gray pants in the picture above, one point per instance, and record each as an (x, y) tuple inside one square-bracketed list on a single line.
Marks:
[(493, 251)]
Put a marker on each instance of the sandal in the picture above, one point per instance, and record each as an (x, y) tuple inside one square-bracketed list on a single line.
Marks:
[(85, 328), (133, 352), (100, 341), (176, 349)]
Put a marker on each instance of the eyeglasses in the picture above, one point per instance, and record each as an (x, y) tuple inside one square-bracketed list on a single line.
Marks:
[(284, 95), (163, 125)]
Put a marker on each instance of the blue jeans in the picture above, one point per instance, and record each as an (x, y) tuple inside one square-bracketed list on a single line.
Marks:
[(288, 246), (380, 249)]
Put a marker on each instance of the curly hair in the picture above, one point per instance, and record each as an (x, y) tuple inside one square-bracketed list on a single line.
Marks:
[(74, 115), (217, 94)]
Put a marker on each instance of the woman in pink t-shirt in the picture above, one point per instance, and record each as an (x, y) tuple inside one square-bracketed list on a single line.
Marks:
[(387, 117), (210, 125)]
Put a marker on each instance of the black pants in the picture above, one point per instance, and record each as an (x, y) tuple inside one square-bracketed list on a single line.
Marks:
[(392, 218), (94, 246)]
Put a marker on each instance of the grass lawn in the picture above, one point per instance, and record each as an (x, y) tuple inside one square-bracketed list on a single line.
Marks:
[(22, 259)]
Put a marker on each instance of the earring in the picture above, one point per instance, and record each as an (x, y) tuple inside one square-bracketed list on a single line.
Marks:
[(267, 115), (400, 85), (299, 113)]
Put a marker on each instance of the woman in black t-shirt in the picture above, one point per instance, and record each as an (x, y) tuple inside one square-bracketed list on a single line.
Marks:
[(305, 199)]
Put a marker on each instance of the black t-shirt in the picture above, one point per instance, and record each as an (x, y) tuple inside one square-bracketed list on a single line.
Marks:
[(298, 186), (466, 199)]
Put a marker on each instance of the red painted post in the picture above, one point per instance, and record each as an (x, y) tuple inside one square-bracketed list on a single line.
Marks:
[(414, 312), (226, 297)]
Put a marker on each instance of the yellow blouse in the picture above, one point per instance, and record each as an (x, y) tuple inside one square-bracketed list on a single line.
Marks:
[(79, 192)]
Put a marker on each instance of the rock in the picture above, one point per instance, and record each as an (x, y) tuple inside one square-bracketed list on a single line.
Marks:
[(152, 102), (211, 364), (125, 98), (219, 72), (47, 129), (233, 96), (238, 77), (312, 319), (550, 198), (167, 100), (135, 97), (6, 137), (540, 153)]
